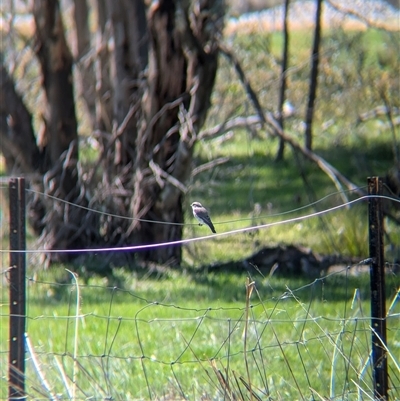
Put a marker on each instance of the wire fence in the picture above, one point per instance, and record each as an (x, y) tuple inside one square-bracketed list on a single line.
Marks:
[(279, 339)]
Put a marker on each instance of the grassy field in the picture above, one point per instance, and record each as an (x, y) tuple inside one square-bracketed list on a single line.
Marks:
[(168, 336), (163, 336)]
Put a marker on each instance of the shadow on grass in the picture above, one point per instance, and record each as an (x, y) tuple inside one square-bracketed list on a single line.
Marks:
[(244, 180), (333, 288), (202, 285)]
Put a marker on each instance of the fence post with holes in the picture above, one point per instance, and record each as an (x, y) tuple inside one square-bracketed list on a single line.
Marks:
[(378, 298), (17, 289)]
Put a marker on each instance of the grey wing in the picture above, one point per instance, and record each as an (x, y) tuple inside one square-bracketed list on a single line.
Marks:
[(208, 221)]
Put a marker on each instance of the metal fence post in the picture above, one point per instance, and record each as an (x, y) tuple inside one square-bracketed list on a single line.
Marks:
[(378, 298), (17, 289)]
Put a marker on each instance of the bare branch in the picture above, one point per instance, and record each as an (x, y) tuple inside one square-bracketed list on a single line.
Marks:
[(242, 76), (211, 164), (160, 173), (377, 112), (233, 123), (389, 115)]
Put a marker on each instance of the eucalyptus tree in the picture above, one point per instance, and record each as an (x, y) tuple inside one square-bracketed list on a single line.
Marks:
[(142, 75)]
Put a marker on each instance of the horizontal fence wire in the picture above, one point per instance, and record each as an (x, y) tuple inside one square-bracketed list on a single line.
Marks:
[(202, 238)]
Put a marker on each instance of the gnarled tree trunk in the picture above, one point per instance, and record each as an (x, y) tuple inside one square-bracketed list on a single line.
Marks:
[(63, 226), (182, 67)]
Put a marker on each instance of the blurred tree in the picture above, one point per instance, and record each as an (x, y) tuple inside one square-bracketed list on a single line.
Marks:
[(145, 75), (283, 78), (312, 94)]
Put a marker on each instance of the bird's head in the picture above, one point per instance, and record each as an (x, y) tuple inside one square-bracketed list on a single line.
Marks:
[(196, 204)]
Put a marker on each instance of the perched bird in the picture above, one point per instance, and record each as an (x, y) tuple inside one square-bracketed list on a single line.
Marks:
[(201, 214)]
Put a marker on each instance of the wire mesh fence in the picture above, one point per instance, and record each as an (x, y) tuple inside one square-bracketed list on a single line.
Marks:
[(300, 343)]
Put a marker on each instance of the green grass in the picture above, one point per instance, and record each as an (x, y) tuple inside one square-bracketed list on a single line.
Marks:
[(169, 330)]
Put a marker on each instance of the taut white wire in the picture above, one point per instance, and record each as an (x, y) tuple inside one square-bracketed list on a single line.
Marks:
[(212, 236)]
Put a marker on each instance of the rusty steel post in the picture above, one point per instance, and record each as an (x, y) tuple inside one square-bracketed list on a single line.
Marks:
[(17, 289), (378, 298)]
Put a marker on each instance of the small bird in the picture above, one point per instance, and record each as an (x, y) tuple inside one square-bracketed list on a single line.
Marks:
[(201, 214)]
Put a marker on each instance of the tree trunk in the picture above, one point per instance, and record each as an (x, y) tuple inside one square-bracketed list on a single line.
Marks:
[(55, 59), (126, 66), (182, 68), (313, 78), (283, 85), (119, 86), (18, 142), (84, 59), (63, 226), (103, 87)]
